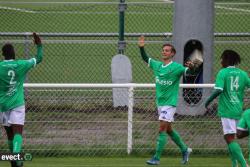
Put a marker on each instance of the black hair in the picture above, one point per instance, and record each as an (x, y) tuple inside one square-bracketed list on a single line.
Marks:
[(8, 51), (230, 58), (172, 47)]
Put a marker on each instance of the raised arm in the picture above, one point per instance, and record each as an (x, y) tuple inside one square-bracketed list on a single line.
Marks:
[(141, 43), (38, 43)]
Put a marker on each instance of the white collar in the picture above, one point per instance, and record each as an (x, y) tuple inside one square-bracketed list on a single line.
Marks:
[(163, 66), (231, 67)]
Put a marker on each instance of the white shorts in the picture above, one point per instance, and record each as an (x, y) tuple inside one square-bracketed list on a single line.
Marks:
[(14, 116), (229, 125), (166, 113)]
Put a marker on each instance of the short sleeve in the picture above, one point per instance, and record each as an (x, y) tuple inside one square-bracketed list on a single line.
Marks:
[(28, 64), (181, 70), (219, 83), (154, 64)]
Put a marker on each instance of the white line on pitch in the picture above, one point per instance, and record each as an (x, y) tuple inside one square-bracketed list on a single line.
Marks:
[(234, 9), (17, 9)]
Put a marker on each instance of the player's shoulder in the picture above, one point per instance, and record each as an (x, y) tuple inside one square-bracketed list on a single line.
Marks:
[(154, 61), (7, 63), (25, 61), (242, 71), (177, 65), (224, 71)]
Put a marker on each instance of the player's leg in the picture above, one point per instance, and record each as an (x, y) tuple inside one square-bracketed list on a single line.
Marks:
[(9, 133), (160, 144), (180, 143), (233, 159), (165, 122), (229, 130), (16, 121), (177, 139), (235, 150), (175, 135), (18, 139), (4, 117)]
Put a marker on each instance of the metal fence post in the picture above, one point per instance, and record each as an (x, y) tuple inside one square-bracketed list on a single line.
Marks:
[(121, 43)]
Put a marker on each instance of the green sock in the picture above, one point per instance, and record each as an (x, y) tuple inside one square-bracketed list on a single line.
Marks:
[(234, 161), (17, 143), (178, 141), (237, 153), (161, 141)]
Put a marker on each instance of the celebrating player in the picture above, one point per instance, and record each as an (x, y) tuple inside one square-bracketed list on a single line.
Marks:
[(243, 127), (12, 105), (167, 78), (229, 86)]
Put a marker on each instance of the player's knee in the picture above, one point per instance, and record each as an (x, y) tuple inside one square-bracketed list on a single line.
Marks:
[(17, 129), (163, 126), (229, 138), (162, 129), (169, 130)]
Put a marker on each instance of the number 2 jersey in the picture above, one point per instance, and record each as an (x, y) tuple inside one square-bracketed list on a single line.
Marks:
[(232, 81), (12, 77)]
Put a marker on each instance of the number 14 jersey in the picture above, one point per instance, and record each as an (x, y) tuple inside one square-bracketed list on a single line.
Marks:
[(232, 81)]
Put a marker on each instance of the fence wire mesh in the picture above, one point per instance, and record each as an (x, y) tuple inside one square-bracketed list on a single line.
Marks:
[(88, 59), (84, 121), (73, 121)]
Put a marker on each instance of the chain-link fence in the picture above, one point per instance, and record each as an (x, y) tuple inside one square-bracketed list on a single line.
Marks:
[(82, 121), (80, 40)]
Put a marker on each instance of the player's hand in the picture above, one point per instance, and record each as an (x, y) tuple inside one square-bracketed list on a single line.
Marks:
[(37, 39), (141, 41), (189, 64)]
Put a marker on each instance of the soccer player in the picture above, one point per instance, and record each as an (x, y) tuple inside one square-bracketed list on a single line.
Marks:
[(229, 86), (167, 78), (243, 127), (12, 105)]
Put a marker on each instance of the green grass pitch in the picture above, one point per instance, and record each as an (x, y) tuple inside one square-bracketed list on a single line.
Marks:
[(123, 162)]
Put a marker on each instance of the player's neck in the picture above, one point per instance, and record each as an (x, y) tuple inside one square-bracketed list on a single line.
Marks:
[(167, 61)]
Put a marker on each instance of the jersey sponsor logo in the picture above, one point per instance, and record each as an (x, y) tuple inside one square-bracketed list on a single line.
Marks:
[(163, 82)]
